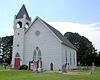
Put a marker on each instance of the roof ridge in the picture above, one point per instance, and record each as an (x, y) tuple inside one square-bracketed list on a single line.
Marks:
[(64, 40)]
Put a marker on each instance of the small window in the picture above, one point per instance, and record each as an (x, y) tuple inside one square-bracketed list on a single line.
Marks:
[(18, 33), (37, 33), (17, 45)]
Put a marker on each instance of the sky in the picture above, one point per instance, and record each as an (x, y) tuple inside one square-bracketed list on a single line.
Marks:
[(81, 16)]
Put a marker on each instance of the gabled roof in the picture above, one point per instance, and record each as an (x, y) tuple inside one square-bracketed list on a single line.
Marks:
[(21, 12), (64, 40)]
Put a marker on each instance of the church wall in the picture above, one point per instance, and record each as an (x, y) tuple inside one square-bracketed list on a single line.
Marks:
[(71, 57), (49, 45)]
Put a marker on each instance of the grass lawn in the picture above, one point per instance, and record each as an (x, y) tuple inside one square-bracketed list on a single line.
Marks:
[(28, 75)]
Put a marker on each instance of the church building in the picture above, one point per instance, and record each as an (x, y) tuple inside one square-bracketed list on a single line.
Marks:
[(38, 45)]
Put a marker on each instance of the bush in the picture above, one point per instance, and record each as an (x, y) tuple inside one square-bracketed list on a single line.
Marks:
[(23, 67), (5, 65)]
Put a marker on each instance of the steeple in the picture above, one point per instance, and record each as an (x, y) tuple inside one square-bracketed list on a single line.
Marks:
[(23, 12)]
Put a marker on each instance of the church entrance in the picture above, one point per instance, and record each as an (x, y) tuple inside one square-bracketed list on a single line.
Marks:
[(35, 65), (17, 61), (30, 65), (51, 66)]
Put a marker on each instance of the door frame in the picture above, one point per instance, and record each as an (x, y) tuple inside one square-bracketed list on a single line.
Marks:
[(17, 63)]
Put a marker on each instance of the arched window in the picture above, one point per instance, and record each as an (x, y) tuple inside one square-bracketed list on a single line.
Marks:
[(19, 24), (37, 54), (27, 25), (74, 58), (51, 66), (66, 56), (70, 58), (34, 55), (17, 55)]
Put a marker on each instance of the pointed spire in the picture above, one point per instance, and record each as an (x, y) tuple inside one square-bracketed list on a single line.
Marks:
[(22, 12)]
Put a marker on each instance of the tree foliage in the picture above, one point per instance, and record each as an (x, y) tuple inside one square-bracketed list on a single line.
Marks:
[(98, 59), (6, 44), (86, 53)]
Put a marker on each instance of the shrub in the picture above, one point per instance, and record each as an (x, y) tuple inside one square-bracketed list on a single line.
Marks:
[(23, 67), (5, 65)]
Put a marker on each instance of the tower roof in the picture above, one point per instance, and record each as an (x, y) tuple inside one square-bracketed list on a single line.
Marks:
[(21, 12)]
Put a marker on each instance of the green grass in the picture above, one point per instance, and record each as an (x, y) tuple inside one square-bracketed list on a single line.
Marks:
[(28, 75), (1, 67)]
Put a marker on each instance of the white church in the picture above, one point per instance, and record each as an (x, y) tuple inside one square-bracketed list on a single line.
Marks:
[(38, 45)]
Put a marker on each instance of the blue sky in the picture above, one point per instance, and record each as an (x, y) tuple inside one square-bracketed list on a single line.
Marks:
[(83, 12)]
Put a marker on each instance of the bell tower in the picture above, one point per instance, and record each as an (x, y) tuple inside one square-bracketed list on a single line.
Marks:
[(22, 21)]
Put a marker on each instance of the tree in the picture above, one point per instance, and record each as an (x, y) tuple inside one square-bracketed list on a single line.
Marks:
[(7, 43), (0, 51), (86, 53), (98, 59)]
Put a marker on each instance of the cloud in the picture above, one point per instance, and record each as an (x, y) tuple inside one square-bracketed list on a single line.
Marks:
[(90, 31), (94, 26)]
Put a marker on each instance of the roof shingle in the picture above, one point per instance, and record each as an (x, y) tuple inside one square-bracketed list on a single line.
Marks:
[(21, 12)]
